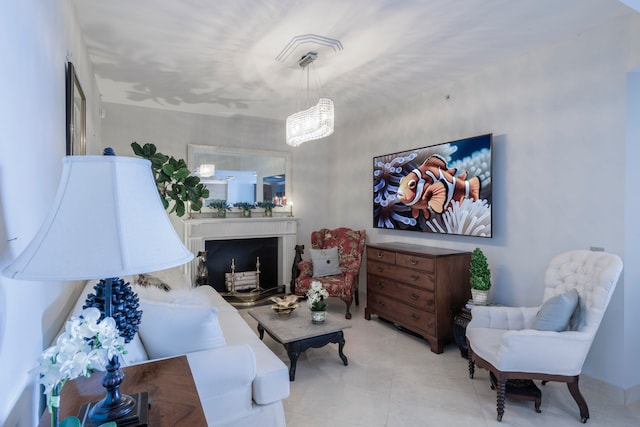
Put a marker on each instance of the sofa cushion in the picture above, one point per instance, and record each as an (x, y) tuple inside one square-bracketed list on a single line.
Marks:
[(555, 313), (173, 329), (325, 262)]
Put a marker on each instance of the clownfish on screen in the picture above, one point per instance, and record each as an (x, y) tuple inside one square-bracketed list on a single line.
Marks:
[(432, 186)]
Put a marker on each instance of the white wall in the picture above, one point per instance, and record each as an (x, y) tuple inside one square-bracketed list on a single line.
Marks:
[(632, 238), (558, 117), (35, 38)]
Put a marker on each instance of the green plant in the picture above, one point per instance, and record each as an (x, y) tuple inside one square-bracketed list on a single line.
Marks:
[(316, 295), (219, 204), (267, 204), (480, 275), (174, 180), (245, 206)]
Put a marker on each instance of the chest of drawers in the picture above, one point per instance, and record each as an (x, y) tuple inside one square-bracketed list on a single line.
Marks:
[(417, 287)]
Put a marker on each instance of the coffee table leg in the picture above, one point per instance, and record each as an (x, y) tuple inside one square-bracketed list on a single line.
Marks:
[(260, 331), (341, 343), (293, 350)]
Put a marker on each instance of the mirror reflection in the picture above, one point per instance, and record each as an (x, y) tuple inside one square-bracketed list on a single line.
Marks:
[(241, 175)]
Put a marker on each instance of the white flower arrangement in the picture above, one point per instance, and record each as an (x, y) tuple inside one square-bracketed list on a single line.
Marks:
[(316, 295), (85, 345)]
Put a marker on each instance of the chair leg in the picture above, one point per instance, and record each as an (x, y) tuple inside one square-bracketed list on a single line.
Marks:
[(574, 389), (357, 297), (348, 302), (472, 364), (501, 390)]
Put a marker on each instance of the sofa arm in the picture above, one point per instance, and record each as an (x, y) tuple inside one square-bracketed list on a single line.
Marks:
[(224, 378), (509, 318)]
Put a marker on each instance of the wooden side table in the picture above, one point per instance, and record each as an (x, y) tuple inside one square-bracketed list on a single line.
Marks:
[(173, 396), (460, 322)]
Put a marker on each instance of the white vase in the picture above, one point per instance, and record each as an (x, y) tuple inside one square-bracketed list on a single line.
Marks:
[(479, 297)]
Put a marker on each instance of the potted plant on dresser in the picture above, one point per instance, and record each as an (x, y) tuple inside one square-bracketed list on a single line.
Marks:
[(480, 277)]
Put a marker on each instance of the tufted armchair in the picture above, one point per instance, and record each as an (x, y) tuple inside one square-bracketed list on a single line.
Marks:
[(350, 244), (520, 343)]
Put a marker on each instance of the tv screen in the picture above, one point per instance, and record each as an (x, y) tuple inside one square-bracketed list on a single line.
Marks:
[(444, 188)]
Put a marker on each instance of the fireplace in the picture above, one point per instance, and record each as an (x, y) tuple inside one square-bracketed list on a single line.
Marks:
[(273, 240)]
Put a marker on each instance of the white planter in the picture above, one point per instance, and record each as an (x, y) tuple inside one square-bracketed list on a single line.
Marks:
[(479, 297)]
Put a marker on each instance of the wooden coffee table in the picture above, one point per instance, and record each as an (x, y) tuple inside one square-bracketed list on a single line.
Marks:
[(297, 333)]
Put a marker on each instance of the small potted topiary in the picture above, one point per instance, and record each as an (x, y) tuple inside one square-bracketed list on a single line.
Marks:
[(221, 206), (246, 208), (480, 277)]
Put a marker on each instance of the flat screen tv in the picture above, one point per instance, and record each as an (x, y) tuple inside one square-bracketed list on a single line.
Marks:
[(444, 188)]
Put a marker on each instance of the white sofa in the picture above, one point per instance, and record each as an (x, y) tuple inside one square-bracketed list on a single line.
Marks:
[(240, 381)]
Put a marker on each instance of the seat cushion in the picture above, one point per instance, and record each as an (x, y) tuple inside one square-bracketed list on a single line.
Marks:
[(556, 312)]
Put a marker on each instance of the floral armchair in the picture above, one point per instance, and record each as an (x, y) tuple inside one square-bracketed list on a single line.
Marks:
[(350, 244)]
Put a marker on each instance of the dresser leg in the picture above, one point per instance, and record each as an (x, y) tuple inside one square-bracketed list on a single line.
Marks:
[(437, 347)]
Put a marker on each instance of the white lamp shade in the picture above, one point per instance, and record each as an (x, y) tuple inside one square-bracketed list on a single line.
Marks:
[(313, 123), (107, 221)]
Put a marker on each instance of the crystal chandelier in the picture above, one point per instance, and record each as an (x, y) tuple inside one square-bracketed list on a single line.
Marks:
[(314, 122)]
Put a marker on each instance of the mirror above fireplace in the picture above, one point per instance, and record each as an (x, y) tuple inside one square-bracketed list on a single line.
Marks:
[(242, 175)]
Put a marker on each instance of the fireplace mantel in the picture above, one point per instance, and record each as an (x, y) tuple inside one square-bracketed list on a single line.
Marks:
[(198, 231)]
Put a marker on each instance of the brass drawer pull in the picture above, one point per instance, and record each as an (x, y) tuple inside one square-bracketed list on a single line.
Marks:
[(415, 316), (414, 296), (381, 303), (380, 254), (414, 261), (380, 269), (380, 285), (415, 277)]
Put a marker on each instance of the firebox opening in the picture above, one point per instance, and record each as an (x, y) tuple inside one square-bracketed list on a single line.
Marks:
[(244, 252)]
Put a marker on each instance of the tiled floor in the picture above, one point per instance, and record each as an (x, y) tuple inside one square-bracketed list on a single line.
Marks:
[(394, 380)]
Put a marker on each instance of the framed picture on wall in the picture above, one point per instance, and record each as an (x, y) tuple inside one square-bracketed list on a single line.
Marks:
[(444, 188), (76, 114)]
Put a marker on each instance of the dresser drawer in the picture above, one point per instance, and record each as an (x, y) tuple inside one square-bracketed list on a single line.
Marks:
[(419, 298), (381, 255), (409, 317), (409, 276), (417, 262)]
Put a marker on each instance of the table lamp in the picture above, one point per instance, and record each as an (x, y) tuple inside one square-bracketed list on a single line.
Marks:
[(107, 221)]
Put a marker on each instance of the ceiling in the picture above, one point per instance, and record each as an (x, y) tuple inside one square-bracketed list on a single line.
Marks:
[(219, 56)]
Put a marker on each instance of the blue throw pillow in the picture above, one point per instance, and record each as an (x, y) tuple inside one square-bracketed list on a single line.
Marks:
[(556, 312)]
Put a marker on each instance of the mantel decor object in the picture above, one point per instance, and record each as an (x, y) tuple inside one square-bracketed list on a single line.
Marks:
[(126, 232), (246, 208), (221, 207)]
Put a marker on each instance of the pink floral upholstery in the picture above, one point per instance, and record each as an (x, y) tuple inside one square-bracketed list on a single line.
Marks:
[(350, 244)]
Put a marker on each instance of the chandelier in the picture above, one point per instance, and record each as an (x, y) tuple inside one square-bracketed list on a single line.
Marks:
[(314, 122)]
